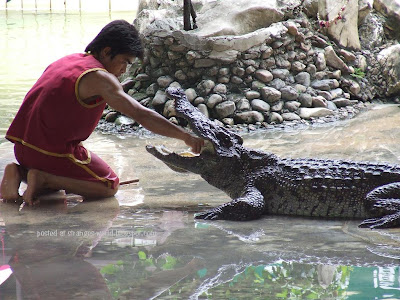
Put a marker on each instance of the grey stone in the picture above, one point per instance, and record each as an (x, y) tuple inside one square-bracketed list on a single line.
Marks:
[(169, 109), (270, 94), (205, 87), (275, 118), (277, 106), (191, 94), (260, 105), (308, 113), (280, 73), (277, 83), (243, 105), (303, 78), (290, 117), (250, 95), (164, 81), (159, 99), (305, 100), (289, 93), (292, 105), (225, 109), (249, 117), (319, 101), (203, 109), (264, 75), (220, 89), (213, 100)]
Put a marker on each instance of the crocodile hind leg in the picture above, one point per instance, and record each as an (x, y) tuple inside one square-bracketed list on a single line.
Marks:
[(248, 207), (386, 201)]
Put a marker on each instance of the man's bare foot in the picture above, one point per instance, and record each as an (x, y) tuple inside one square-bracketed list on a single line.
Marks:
[(10, 183), (36, 184)]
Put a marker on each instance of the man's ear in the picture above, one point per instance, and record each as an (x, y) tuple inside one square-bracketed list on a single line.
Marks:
[(105, 52)]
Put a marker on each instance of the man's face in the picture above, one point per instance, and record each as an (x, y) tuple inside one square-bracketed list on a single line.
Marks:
[(118, 64)]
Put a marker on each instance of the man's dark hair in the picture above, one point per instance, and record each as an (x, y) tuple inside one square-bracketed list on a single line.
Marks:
[(120, 36)]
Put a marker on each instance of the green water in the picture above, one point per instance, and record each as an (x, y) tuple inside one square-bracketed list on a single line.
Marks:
[(144, 243)]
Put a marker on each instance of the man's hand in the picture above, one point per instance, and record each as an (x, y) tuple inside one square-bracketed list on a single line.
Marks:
[(194, 142)]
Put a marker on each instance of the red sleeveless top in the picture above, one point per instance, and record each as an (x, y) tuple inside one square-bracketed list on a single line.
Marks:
[(52, 119)]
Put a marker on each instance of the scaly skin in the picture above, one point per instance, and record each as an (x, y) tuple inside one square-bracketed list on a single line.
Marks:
[(262, 183)]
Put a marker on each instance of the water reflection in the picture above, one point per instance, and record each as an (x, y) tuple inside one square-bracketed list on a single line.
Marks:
[(155, 249), (48, 249)]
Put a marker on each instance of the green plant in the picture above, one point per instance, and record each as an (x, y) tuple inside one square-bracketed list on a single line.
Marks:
[(358, 73)]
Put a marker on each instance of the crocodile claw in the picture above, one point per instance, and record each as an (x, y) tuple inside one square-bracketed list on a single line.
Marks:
[(213, 214), (383, 222)]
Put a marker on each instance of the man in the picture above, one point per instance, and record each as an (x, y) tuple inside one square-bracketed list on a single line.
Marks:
[(63, 108)]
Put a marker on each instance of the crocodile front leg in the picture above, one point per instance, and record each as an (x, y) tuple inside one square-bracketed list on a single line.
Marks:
[(248, 207), (386, 200)]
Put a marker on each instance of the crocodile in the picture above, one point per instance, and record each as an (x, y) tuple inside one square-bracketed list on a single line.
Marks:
[(261, 183)]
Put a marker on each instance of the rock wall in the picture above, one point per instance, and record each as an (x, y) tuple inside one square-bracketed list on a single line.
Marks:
[(287, 71), (275, 74)]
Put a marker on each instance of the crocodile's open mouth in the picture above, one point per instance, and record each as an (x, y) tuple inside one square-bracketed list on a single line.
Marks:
[(183, 161), (218, 140)]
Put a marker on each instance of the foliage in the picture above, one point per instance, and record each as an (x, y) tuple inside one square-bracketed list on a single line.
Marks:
[(358, 73)]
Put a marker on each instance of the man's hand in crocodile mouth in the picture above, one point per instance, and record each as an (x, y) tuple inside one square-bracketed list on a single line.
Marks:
[(183, 161)]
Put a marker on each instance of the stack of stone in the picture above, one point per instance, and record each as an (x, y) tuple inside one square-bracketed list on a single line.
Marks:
[(282, 73)]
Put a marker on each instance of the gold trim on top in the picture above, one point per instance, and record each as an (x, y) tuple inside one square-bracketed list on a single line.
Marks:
[(77, 86)]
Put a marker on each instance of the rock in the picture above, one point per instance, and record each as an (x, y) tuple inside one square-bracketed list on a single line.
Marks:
[(320, 61), (303, 78), (277, 83), (275, 118), (305, 100), (289, 93), (248, 117), (372, 32), (343, 24), (198, 101), (325, 84), (308, 113), (277, 106), (243, 105), (205, 87), (220, 89), (280, 73), (213, 100), (151, 90), (290, 117), (111, 116), (319, 101), (342, 102), (389, 60), (391, 10), (225, 109), (260, 105), (336, 93), (264, 75), (335, 61), (348, 56), (159, 99), (169, 109), (292, 105), (270, 95), (123, 120), (203, 109), (191, 94), (228, 121), (250, 95), (164, 81), (298, 66)]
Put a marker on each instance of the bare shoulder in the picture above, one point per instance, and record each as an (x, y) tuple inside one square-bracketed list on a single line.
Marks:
[(97, 83)]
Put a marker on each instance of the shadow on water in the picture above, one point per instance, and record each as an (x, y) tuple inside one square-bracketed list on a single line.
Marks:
[(145, 244)]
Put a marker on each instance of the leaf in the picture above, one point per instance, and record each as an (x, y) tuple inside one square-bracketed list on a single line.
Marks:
[(142, 255)]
